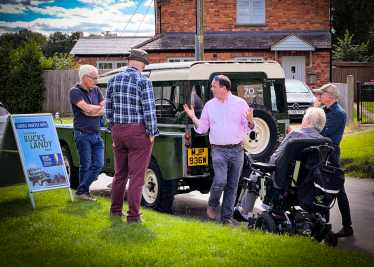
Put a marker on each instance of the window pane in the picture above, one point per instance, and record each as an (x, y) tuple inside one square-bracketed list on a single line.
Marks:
[(258, 12), (105, 66), (122, 64), (243, 4)]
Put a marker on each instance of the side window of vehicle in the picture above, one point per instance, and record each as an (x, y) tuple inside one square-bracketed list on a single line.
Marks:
[(251, 93), (196, 98), (167, 101), (277, 100)]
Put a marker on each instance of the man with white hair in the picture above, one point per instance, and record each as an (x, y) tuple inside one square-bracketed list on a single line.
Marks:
[(313, 122), (336, 120), (87, 103)]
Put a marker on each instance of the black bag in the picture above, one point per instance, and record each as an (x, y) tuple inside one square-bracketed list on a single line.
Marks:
[(320, 188)]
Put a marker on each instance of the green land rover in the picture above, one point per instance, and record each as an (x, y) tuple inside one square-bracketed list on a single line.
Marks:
[(180, 161)]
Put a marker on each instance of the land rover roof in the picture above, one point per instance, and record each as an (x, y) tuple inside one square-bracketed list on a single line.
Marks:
[(201, 70)]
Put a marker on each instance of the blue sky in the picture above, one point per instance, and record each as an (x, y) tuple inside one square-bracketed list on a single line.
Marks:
[(89, 16)]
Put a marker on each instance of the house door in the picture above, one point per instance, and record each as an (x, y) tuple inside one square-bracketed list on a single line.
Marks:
[(294, 67)]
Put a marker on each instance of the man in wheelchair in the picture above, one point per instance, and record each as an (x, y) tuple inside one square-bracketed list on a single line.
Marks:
[(278, 182)]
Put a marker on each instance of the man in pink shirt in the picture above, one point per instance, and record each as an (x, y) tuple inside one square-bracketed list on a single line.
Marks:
[(226, 116)]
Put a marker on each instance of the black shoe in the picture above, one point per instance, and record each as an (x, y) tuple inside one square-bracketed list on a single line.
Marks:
[(238, 216), (344, 232)]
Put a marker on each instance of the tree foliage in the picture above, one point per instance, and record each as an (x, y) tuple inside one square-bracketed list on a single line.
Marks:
[(22, 83), (63, 62), (356, 16), (345, 50), (60, 43), (23, 36)]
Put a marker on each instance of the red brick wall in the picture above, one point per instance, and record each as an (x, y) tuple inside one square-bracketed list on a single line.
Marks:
[(320, 61), (180, 16)]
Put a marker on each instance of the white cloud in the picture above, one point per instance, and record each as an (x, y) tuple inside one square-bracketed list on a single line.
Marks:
[(98, 2), (12, 9), (149, 2), (88, 19)]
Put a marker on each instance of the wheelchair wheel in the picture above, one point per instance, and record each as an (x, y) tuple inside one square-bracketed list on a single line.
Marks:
[(266, 223)]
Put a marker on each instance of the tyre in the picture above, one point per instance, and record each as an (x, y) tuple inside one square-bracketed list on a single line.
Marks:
[(157, 193), (266, 223), (262, 142), (40, 182), (73, 172)]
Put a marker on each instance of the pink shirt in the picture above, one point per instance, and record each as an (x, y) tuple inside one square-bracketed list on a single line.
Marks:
[(225, 120)]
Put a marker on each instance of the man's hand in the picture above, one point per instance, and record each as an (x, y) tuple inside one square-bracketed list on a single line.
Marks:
[(248, 114), (152, 138), (317, 104), (191, 114)]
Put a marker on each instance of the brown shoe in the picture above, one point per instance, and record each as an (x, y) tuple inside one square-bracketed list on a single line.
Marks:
[(228, 223), (211, 212), (85, 197)]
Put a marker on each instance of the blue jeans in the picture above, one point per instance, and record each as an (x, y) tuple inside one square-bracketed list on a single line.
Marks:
[(91, 158), (227, 165)]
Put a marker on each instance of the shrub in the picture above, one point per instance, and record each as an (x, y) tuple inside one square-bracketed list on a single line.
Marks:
[(22, 83)]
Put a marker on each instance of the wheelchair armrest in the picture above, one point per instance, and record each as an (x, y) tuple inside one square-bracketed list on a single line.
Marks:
[(264, 167)]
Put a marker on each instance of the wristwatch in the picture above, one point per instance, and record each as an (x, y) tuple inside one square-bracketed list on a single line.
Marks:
[(251, 122)]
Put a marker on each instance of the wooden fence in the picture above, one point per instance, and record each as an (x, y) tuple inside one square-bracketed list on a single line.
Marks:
[(57, 84), (363, 72)]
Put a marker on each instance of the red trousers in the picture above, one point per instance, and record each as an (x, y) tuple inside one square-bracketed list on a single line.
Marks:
[(132, 152)]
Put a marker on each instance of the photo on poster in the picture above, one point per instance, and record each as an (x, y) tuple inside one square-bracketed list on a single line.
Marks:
[(41, 152)]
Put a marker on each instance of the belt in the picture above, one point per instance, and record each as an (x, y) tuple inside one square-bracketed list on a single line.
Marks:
[(130, 123), (335, 145), (227, 146)]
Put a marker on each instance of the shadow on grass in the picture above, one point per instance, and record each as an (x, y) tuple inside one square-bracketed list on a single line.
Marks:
[(121, 232), (15, 208)]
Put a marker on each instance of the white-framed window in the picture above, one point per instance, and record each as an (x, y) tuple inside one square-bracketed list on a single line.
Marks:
[(250, 11), (249, 58), (110, 64), (181, 59)]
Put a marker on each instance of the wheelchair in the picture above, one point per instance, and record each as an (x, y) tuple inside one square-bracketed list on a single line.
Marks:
[(282, 214)]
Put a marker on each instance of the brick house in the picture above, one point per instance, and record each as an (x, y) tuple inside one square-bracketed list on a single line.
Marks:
[(295, 33), (105, 52)]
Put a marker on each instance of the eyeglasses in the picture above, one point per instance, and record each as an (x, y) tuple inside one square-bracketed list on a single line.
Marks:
[(95, 79), (323, 94), (216, 78)]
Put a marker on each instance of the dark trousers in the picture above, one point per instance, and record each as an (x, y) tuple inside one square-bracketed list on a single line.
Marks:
[(342, 198), (132, 151)]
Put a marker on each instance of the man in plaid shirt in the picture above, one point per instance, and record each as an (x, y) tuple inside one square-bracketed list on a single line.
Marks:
[(336, 120), (131, 114)]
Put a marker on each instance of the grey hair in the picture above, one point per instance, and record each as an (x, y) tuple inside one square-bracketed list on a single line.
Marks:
[(86, 70), (335, 97), (317, 118)]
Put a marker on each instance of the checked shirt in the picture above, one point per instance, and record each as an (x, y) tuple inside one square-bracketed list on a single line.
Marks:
[(129, 99), (335, 123)]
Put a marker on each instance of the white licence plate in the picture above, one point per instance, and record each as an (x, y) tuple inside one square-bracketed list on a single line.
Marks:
[(296, 112)]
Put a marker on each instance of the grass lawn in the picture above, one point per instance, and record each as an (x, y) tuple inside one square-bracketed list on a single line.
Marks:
[(60, 232), (68, 120), (369, 106), (357, 155)]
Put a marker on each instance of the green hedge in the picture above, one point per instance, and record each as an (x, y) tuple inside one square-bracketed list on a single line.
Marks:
[(20, 74)]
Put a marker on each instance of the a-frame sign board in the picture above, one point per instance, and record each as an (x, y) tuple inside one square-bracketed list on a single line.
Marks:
[(30, 152)]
